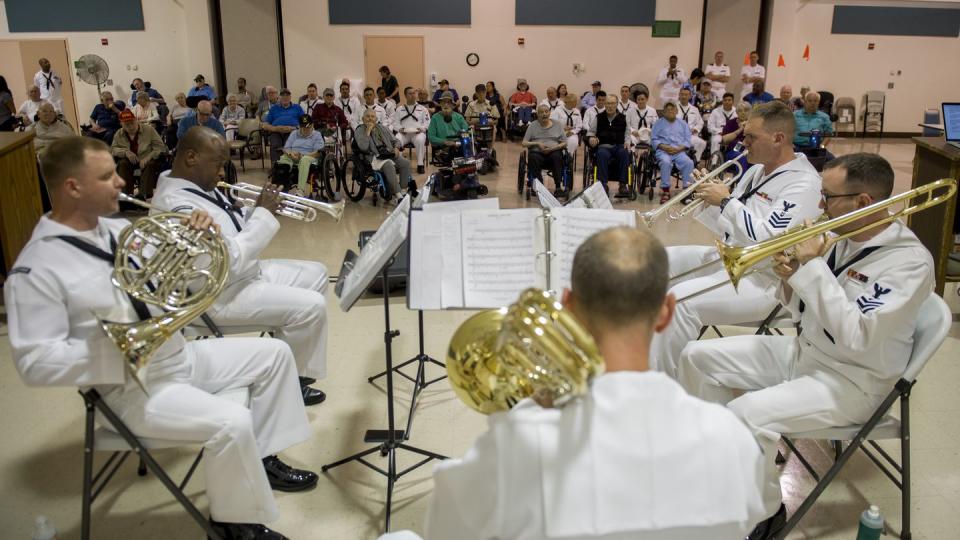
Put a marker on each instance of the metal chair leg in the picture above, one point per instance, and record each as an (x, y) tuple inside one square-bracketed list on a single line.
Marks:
[(87, 471)]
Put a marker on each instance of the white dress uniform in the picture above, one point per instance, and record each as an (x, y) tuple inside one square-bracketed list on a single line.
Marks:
[(691, 115), (670, 86), (715, 124), (590, 116), (554, 105), (389, 105), (412, 124), (717, 87), (762, 206), (572, 120), (859, 304), (51, 295), (610, 464), (283, 294), (308, 104), (350, 106), (382, 117), (642, 123), (751, 71), (625, 108), (51, 88), (28, 109)]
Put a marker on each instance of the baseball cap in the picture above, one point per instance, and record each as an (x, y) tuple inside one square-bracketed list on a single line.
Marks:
[(328, 92), (448, 95), (595, 83), (305, 120), (284, 91), (444, 81), (127, 116), (199, 78)]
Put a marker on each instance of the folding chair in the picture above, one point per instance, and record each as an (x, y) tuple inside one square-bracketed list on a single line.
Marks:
[(932, 325), (121, 441), (772, 323)]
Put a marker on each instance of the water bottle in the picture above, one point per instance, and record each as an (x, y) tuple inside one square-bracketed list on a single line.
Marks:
[(871, 524), (484, 119), (43, 529)]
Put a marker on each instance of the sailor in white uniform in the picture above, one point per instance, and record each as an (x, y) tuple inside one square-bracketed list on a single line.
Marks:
[(50, 84), (370, 103), (670, 80), (691, 115), (568, 115), (590, 114), (552, 100), (718, 74), (625, 104), (718, 119), (856, 303), (779, 191), (283, 295), (349, 103), (62, 277), (412, 121), (641, 119), (627, 460)]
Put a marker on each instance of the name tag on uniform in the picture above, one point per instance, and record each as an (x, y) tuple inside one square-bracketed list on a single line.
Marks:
[(764, 196), (853, 274)]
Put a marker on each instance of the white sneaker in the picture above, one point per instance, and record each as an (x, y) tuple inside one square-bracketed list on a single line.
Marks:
[(295, 191)]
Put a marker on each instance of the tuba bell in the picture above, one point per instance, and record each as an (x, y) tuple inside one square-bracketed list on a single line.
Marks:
[(501, 356)]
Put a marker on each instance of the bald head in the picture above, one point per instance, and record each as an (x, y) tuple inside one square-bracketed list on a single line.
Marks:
[(201, 155), (619, 277), (205, 107)]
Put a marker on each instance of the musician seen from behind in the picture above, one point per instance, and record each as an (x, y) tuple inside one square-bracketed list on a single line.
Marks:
[(63, 276), (780, 190), (857, 304), (627, 459), (283, 295)]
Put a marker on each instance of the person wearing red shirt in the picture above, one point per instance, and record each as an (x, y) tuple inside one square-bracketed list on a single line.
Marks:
[(523, 101)]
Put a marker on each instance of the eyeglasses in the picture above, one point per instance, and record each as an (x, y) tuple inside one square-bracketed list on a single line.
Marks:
[(825, 197)]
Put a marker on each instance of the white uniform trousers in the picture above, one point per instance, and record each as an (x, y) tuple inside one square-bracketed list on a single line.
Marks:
[(715, 143), (182, 407), (751, 302), (419, 141), (287, 297), (699, 145), (785, 393), (573, 141)]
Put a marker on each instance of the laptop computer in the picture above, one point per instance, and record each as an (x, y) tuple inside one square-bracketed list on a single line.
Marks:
[(951, 123)]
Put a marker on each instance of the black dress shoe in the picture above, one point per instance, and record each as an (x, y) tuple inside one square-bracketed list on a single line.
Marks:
[(306, 381), (419, 169), (283, 477), (244, 531), (769, 527), (312, 396)]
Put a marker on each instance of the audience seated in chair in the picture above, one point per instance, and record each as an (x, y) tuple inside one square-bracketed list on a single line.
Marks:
[(389, 105), (381, 149), (201, 116), (327, 116), (497, 100), (718, 120), (231, 116), (786, 97), (140, 87), (444, 86), (689, 114), (178, 111), (303, 148), (671, 140), (545, 141), (310, 100), (568, 115), (641, 119), (246, 98), (370, 104), (480, 105), (733, 133), (349, 103), (705, 99), (105, 118), (523, 101), (411, 120), (201, 88), (146, 111), (272, 98), (282, 118), (758, 95), (589, 99), (48, 128), (609, 136), (28, 109), (625, 105), (137, 146), (552, 100), (445, 128), (810, 118)]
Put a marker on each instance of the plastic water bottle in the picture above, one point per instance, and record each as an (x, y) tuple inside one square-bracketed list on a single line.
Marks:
[(871, 524), (43, 529)]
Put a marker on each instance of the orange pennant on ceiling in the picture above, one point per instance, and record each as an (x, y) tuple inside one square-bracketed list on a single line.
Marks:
[(806, 52), (746, 59), (780, 62)]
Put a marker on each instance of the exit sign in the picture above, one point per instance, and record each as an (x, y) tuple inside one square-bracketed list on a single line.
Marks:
[(666, 29)]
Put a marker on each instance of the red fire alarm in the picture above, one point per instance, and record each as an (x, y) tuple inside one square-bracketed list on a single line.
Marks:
[(520, 42), (103, 41)]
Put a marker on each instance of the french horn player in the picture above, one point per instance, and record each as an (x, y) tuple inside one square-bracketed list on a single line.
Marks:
[(62, 282)]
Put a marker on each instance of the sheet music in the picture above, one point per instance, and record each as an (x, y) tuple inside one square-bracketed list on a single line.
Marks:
[(596, 197), (451, 261), (547, 200), (499, 255), (571, 228), (460, 206), (423, 196), (376, 253)]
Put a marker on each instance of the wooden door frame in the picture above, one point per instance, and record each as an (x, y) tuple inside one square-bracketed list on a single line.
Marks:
[(423, 53), (71, 73)]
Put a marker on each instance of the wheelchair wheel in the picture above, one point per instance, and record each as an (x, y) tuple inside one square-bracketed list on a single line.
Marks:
[(482, 189), (522, 173), (586, 169), (356, 185), (634, 179), (329, 176)]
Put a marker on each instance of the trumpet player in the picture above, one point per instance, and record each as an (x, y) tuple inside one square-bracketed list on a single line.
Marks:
[(625, 460), (62, 277), (781, 189), (856, 305), (280, 294)]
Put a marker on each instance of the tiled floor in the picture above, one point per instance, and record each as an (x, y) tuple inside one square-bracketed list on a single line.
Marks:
[(41, 458)]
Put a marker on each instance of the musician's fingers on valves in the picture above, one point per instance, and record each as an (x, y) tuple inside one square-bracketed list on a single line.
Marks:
[(269, 197)]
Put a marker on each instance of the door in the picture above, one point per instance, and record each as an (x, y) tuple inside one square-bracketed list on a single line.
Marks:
[(55, 50), (402, 54)]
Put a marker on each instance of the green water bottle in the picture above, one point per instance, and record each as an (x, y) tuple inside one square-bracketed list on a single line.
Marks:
[(871, 524)]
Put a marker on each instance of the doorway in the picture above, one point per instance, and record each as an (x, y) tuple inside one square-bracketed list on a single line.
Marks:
[(20, 64), (402, 54)]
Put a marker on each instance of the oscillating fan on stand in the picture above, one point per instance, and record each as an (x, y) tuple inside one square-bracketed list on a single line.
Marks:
[(636, 87), (92, 69)]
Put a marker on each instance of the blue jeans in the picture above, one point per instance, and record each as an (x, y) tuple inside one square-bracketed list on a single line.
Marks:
[(666, 163), (525, 114), (606, 152)]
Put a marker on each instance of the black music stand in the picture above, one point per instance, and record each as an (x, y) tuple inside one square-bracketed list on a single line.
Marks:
[(388, 441)]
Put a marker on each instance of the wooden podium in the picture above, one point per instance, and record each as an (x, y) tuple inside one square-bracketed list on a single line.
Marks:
[(20, 207), (935, 227)]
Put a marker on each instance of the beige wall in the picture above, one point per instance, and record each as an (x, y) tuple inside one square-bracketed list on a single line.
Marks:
[(318, 52), (732, 27), (173, 47), (843, 65), (250, 46)]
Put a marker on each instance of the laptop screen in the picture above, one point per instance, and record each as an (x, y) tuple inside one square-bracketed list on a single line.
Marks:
[(951, 121)]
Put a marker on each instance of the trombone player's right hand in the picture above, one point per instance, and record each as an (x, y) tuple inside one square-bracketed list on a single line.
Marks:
[(269, 198)]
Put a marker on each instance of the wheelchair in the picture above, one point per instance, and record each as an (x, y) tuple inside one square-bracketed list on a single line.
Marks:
[(286, 176), (334, 167), (515, 130), (457, 169), (590, 174), (649, 171), (816, 152), (525, 176), (484, 134), (362, 177)]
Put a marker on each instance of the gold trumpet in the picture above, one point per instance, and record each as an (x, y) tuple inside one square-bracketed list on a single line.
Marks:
[(161, 261), (740, 261), (500, 356), (291, 206), (669, 208)]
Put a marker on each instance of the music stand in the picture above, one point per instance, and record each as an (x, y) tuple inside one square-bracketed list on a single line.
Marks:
[(356, 274)]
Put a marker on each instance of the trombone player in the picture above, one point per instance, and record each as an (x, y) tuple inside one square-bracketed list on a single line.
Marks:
[(856, 304), (63, 275), (283, 294), (780, 190)]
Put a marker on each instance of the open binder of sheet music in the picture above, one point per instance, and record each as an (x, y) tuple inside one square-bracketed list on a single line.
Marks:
[(375, 254), (485, 258), (592, 197)]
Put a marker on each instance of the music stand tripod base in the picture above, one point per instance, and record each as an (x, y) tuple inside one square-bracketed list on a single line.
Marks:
[(388, 441)]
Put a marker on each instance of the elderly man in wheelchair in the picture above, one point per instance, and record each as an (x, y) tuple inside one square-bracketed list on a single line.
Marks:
[(453, 153), (545, 143), (301, 154), (378, 149), (608, 142)]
